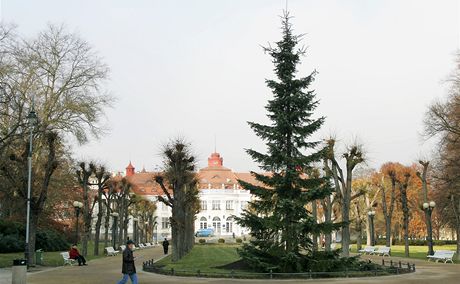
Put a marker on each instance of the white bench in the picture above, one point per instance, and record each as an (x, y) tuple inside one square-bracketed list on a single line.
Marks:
[(442, 255), (67, 260), (141, 246), (382, 251), (110, 251), (149, 245), (367, 250), (333, 245), (122, 248)]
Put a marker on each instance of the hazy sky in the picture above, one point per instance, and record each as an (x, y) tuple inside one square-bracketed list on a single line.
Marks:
[(197, 69)]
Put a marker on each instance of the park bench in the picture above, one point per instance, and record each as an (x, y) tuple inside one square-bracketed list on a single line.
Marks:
[(333, 246), (442, 255), (141, 246), (110, 251), (67, 260), (367, 250), (382, 251), (149, 245), (122, 248)]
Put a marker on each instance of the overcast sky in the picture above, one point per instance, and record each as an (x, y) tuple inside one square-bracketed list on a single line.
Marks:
[(197, 69)]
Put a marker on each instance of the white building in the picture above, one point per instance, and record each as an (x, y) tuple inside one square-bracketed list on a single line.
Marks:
[(221, 198)]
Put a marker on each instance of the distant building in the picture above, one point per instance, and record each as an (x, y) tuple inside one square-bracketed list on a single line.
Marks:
[(221, 197)]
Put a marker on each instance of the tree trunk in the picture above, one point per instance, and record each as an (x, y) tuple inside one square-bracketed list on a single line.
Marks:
[(458, 242), (388, 231), (98, 227), (359, 228), (405, 208), (107, 226), (33, 224), (327, 208), (346, 213), (368, 231), (86, 234), (314, 212)]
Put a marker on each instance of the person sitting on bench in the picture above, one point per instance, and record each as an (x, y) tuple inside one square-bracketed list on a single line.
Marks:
[(75, 254)]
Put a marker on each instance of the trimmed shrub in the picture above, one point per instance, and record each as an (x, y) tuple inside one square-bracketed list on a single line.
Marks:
[(11, 243), (239, 241), (221, 241), (12, 238), (202, 241)]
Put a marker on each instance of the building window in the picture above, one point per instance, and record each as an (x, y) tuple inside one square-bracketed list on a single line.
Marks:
[(229, 204), (204, 205), (165, 223), (216, 205), (203, 223), (229, 225), (216, 225), (164, 207), (243, 204)]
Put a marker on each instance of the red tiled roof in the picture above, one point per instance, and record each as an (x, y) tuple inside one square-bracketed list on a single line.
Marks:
[(215, 176)]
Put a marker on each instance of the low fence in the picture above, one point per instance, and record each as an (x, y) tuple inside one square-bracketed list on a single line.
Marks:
[(389, 267)]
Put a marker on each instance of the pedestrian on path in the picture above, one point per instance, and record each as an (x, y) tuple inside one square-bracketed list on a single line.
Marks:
[(75, 254), (128, 268), (165, 246)]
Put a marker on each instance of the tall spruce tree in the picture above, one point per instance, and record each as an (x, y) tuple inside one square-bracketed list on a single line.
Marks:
[(281, 224)]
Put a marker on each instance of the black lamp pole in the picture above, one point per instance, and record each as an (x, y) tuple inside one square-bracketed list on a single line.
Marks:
[(77, 206), (135, 236)]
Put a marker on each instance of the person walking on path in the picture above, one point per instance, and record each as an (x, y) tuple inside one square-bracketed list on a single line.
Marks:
[(128, 268), (75, 254), (165, 246)]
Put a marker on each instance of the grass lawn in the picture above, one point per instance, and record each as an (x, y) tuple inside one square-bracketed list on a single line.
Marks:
[(206, 258), (52, 258)]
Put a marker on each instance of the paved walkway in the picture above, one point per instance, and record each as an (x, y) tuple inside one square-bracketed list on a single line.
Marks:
[(107, 270)]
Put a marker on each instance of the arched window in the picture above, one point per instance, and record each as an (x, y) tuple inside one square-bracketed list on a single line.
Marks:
[(203, 223), (216, 224), (229, 225)]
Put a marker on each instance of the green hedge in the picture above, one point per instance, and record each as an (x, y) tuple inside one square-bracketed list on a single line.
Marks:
[(12, 238)]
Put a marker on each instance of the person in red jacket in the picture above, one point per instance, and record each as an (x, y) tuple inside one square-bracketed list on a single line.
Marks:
[(75, 254)]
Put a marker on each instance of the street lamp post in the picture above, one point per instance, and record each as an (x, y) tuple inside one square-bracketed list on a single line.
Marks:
[(77, 205), (371, 218), (32, 121), (146, 230), (428, 208), (156, 232), (135, 236), (114, 229)]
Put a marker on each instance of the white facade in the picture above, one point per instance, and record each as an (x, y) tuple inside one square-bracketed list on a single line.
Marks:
[(219, 207)]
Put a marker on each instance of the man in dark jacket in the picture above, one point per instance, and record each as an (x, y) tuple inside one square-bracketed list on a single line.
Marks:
[(165, 246), (128, 268)]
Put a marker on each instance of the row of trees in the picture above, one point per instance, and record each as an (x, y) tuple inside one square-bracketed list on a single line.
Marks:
[(442, 123), (59, 76), (111, 195)]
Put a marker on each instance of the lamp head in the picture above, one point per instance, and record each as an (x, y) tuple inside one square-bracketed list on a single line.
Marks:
[(432, 204), (425, 205), (114, 214), (32, 118), (77, 204)]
